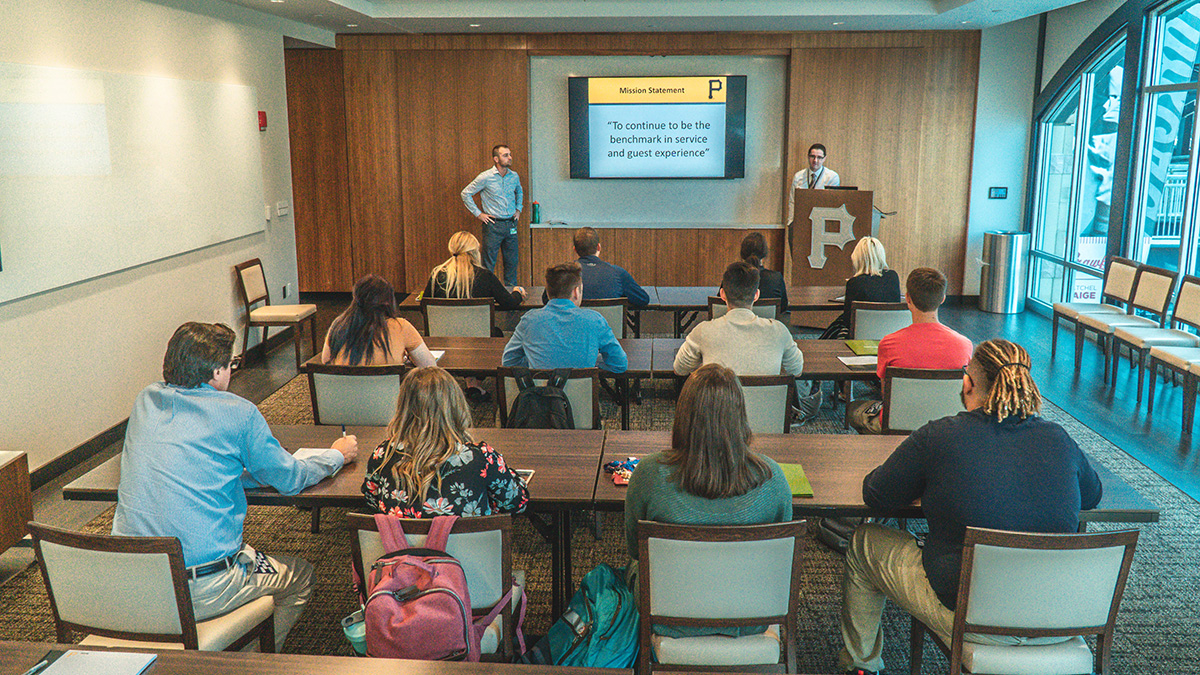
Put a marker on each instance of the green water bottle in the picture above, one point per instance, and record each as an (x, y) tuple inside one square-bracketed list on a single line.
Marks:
[(537, 213)]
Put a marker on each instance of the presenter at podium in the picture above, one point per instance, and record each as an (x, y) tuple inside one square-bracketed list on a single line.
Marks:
[(815, 177), (502, 197)]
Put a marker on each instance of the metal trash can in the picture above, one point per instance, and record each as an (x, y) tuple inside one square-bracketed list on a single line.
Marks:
[(1005, 265)]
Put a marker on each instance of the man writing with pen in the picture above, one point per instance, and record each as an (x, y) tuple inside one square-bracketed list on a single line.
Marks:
[(191, 448)]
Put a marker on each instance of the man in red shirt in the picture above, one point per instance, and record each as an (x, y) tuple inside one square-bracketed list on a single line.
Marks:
[(924, 344)]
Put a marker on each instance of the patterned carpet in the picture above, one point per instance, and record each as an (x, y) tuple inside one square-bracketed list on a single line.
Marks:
[(1158, 628)]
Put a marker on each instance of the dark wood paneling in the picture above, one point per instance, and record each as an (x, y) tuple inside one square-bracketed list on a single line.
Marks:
[(455, 105), (373, 152), (320, 189), (659, 257)]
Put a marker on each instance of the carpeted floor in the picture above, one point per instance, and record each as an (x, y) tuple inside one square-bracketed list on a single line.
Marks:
[(1158, 629)]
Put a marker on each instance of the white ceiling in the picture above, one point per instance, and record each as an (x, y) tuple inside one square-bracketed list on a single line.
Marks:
[(591, 16)]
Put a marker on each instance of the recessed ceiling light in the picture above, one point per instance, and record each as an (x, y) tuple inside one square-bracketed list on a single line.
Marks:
[(838, 23), (473, 25), (351, 25), (277, 1), (964, 22)]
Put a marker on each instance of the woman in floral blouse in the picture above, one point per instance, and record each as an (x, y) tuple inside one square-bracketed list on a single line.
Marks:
[(430, 466)]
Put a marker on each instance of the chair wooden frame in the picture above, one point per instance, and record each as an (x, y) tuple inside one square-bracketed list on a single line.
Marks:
[(751, 381), (400, 370), (1142, 352), (502, 523), (1042, 542), (646, 530), (502, 402), (426, 303), (873, 306), (716, 301), (1111, 301), (626, 313), (265, 297), (264, 632), (910, 374), (1190, 384), (1136, 303)]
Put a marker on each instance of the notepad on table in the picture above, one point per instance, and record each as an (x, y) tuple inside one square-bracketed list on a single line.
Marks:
[(859, 362), (100, 663), (863, 347), (797, 481), (437, 354)]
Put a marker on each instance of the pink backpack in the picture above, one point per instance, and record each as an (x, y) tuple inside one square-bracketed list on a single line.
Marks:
[(417, 605)]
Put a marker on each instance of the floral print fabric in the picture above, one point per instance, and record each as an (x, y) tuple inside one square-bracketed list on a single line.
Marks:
[(475, 482)]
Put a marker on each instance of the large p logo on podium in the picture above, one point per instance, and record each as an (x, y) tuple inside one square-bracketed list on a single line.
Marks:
[(819, 217)]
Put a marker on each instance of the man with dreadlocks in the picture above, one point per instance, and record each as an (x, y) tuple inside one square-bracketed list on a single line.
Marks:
[(996, 465)]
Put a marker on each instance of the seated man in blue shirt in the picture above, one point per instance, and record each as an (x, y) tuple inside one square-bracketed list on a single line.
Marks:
[(187, 446), (561, 334)]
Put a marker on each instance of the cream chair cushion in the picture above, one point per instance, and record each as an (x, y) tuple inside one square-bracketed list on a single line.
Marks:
[(766, 408), (913, 402), (282, 312), (1061, 658), (1180, 357), (213, 635), (1107, 323), (356, 400), (1145, 336), (718, 650), (1072, 310), (874, 324)]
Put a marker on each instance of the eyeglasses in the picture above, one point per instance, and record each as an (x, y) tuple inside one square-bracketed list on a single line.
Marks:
[(969, 378), (816, 156), (235, 363)]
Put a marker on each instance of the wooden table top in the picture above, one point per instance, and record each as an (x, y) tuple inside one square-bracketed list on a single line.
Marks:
[(533, 299), (836, 464), (483, 354), (800, 298), (17, 657), (820, 359), (564, 464)]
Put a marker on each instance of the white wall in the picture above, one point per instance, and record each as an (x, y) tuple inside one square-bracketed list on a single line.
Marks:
[(1004, 105), (76, 357), (1067, 28)]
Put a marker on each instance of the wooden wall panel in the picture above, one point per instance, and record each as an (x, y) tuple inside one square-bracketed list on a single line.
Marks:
[(457, 104), (320, 190), (373, 152), (658, 257), (902, 127)]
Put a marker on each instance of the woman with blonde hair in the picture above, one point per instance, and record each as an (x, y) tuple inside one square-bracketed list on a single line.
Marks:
[(709, 476), (369, 333), (429, 465), (872, 282), (462, 276)]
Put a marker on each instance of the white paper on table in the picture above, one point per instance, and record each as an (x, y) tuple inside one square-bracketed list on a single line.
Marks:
[(437, 353), (859, 361), (100, 663)]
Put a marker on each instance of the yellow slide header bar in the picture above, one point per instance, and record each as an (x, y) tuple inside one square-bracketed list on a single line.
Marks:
[(656, 90)]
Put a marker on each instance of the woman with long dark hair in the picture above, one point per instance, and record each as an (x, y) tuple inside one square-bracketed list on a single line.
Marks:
[(709, 476), (369, 333)]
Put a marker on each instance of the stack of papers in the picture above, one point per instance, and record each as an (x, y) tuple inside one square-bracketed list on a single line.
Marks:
[(859, 362)]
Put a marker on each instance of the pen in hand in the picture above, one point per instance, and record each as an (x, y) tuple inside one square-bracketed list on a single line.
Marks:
[(343, 431)]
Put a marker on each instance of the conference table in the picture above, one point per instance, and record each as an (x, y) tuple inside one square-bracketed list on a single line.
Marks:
[(18, 657), (835, 465), (569, 476), (687, 304)]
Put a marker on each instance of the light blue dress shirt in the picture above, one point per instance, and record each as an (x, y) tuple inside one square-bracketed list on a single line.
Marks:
[(501, 195), (181, 469), (562, 335)]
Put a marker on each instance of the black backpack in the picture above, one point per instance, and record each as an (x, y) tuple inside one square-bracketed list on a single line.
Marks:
[(541, 407)]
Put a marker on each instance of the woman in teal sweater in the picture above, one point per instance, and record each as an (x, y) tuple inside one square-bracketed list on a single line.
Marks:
[(709, 476)]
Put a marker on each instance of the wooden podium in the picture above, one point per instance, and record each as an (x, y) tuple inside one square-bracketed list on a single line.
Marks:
[(827, 224)]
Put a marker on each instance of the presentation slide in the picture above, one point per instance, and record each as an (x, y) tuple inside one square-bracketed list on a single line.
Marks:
[(658, 127)]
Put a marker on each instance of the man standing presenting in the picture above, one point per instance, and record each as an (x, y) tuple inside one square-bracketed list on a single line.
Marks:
[(502, 198), (995, 465), (815, 177), (187, 445)]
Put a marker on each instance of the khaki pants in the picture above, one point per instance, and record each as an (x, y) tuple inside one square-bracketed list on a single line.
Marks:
[(286, 578), (886, 563)]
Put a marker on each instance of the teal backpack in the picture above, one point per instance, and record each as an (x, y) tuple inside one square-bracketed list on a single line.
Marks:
[(599, 628)]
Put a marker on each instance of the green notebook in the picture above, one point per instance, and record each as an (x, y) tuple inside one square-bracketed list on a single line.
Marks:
[(796, 480), (863, 347)]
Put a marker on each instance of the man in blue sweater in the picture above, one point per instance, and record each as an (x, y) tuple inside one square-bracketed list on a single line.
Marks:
[(561, 334), (996, 465)]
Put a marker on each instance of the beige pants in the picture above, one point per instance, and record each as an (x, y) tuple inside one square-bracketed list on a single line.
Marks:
[(286, 578), (886, 563)]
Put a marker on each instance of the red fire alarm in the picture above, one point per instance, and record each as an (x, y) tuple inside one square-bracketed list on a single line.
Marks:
[(262, 120)]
